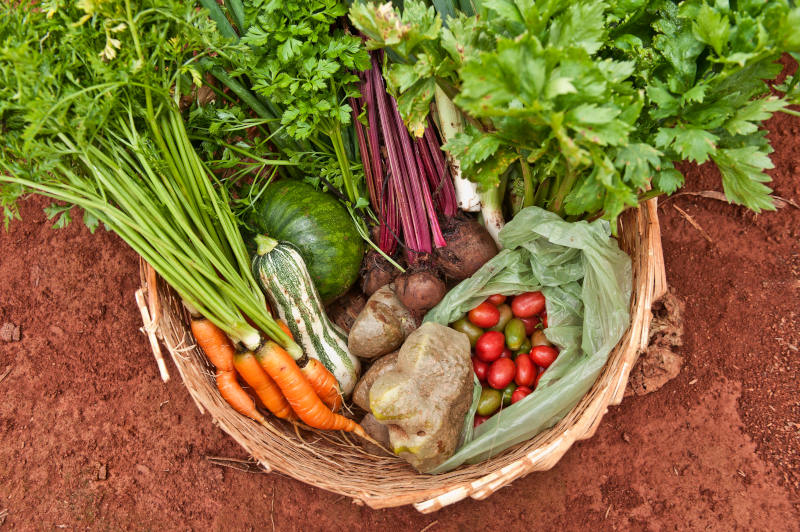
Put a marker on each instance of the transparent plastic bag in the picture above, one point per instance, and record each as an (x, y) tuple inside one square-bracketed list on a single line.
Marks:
[(586, 280)]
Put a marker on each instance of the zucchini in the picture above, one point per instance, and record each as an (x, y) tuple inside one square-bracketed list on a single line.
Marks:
[(283, 275)]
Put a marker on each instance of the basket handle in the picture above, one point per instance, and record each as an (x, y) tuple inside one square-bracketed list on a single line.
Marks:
[(150, 327)]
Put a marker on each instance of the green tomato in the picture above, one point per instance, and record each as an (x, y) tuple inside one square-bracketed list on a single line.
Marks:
[(489, 402), (515, 334), (507, 392), (524, 348), (472, 331), (505, 315)]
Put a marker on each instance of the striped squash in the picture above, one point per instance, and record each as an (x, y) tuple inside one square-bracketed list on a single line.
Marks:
[(283, 275)]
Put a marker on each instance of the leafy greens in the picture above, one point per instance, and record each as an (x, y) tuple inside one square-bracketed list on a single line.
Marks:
[(589, 105)]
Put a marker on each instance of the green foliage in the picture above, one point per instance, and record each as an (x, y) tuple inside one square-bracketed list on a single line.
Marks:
[(299, 61), (600, 97), (296, 69)]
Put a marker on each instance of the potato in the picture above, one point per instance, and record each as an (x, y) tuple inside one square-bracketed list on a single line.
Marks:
[(377, 431), (382, 326), (381, 366)]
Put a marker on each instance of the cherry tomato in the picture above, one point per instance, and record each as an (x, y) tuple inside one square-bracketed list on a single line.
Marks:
[(543, 355), (526, 371), (472, 331), (528, 304), (481, 368), (496, 299), (539, 338), (484, 315), (519, 394), (478, 420), (490, 346), (515, 334), (544, 320), (539, 372), (489, 401), (524, 348), (506, 353), (507, 391), (505, 315), (530, 324), (501, 373)]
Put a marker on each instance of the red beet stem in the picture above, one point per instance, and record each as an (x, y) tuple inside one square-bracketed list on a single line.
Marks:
[(407, 213)]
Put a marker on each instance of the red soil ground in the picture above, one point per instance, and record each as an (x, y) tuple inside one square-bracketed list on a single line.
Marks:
[(718, 447)]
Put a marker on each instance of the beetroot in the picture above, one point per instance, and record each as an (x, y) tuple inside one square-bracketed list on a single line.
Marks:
[(469, 246), (420, 288), (376, 272)]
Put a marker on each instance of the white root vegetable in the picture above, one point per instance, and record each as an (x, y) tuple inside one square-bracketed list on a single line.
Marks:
[(451, 123)]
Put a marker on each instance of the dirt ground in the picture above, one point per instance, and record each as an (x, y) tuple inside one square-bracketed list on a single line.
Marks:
[(91, 439)]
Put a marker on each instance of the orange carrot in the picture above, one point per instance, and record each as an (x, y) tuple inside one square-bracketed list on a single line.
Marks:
[(215, 343), (220, 351), (297, 390), (235, 395), (248, 367), (323, 381), (285, 328)]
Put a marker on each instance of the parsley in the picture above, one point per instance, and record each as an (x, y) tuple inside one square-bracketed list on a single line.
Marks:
[(296, 69)]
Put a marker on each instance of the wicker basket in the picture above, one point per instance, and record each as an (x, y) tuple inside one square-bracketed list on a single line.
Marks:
[(335, 463)]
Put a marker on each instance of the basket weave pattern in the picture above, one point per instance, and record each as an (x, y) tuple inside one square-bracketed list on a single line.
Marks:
[(333, 461)]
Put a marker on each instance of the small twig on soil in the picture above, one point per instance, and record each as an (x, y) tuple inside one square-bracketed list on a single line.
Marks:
[(5, 373), (430, 525), (608, 511), (693, 222), (248, 466), (3, 515)]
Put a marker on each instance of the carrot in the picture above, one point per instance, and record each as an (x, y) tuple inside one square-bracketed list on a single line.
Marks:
[(220, 351), (248, 367), (235, 396), (323, 381), (215, 343), (298, 391), (285, 328)]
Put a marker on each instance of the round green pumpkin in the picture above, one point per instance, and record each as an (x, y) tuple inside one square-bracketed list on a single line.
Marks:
[(319, 227)]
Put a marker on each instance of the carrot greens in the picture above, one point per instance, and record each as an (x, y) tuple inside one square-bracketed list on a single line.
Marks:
[(89, 108)]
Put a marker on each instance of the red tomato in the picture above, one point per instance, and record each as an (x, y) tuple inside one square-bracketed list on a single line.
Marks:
[(539, 372), (530, 324), (526, 371), (544, 320), (506, 353), (543, 355), (490, 345), (484, 315), (519, 394), (501, 373), (528, 304), (478, 420), (496, 299), (481, 368)]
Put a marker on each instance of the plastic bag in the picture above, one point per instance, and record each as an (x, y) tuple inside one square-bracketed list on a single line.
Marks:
[(586, 280)]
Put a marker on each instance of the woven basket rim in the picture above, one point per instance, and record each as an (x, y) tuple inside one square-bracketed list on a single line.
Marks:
[(335, 463)]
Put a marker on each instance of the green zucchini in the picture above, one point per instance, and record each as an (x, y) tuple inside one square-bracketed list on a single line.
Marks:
[(283, 275)]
